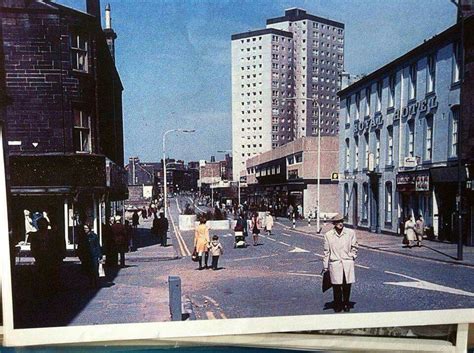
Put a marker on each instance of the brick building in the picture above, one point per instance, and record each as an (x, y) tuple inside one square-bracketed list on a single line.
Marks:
[(64, 117)]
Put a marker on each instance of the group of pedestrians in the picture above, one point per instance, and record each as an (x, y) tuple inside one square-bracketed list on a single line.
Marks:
[(204, 247), (414, 231)]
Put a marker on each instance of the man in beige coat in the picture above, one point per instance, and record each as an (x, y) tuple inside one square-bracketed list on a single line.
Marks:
[(340, 251)]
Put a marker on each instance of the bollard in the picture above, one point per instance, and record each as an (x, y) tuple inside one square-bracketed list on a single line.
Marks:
[(294, 222), (175, 298), (309, 221)]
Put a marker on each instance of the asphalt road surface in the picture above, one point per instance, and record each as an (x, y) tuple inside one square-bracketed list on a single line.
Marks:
[(281, 276)]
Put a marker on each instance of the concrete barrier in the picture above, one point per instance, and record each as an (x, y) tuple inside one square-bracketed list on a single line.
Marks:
[(187, 222), (218, 225)]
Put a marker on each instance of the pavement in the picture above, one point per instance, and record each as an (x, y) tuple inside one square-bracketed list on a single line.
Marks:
[(441, 251), (136, 293)]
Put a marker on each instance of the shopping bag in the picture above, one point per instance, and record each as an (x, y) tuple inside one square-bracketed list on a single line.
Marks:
[(101, 270), (326, 281), (405, 240)]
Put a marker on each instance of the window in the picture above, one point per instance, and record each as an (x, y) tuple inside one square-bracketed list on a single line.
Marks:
[(299, 158), (388, 202), (82, 131), (348, 155), (291, 160), (365, 201), (391, 91), (428, 137), (368, 92), (79, 47), (411, 139), (389, 145), (379, 97), (356, 153), (412, 82), (431, 73), (357, 101), (454, 132), (367, 150), (377, 148), (346, 200), (456, 62)]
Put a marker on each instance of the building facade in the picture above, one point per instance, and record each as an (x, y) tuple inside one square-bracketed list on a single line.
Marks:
[(287, 175), (278, 75), (399, 138), (64, 117)]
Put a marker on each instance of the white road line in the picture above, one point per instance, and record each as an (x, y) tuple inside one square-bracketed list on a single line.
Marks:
[(199, 208), (402, 275), (297, 249), (362, 266), (211, 300), (270, 239), (304, 274), (319, 255), (177, 205), (253, 258), (286, 234), (283, 243), (184, 248)]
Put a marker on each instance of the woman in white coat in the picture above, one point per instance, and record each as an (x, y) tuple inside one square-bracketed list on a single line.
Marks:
[(340, 251), (269, 223), (410, 233)]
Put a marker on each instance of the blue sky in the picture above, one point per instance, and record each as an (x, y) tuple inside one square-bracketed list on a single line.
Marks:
[(174, 59)]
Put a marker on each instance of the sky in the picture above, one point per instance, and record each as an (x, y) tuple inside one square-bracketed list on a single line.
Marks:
[(174, 59)]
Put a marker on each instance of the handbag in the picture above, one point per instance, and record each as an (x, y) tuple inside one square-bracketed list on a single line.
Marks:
[(195, 256), (326, 281), (101, 270), (405, 240)]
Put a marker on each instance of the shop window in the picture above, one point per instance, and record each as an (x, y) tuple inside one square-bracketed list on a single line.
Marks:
[(365, 202), (388, 202), (82, 131)]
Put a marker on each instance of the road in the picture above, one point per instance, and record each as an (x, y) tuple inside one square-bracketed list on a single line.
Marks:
[(281, 276)]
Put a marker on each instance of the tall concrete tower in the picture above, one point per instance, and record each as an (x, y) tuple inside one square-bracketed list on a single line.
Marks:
[(110, 34)]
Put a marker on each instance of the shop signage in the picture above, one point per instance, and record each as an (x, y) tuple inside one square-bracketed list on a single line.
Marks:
[(418, 107), (422, 182), (361, 127)]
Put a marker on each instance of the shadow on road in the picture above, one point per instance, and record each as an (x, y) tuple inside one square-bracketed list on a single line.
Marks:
[(439, 252)]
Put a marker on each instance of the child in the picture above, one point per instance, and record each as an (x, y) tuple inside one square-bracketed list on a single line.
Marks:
[(216, 250)]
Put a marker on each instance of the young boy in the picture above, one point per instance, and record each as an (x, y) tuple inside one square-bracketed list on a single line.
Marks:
[(216, 250)]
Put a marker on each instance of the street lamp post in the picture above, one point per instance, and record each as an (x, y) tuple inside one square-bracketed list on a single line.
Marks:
[(165, 191), (318, 177)]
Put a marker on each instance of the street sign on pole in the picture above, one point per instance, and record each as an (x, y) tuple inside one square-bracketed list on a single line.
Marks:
[(334, 176)]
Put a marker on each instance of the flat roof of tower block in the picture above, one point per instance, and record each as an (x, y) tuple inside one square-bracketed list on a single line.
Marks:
[(261, 32), (295, 14)]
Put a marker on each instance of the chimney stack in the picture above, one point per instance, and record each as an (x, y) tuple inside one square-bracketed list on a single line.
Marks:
[(93, 8), (110, 34)]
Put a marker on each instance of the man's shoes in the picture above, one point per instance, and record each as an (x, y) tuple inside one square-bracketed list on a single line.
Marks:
[(347, 308)]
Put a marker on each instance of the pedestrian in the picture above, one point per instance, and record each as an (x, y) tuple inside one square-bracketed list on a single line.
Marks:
[(135, 219), (340, 251), (269, 223), (290, 212), (419, 229), (48, 250), (201, 242), (109, 245), (255, 226), (410, 231), (216, 250), (119, 235), (144, 213), (128, 232), (162, 229), (90, 254)]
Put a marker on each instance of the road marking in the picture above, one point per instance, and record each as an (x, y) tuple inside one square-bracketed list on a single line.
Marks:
[(210, 315), (319, 255), (211, 300), (296, 249), (177, 205), (270, 238), (182, 245), (305, 274), (362, 266), (286, 234), (283, 243), (421, 284), (253, 258), (199, 208)]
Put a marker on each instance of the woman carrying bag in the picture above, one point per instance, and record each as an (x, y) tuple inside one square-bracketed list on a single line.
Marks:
[(255, 226), (201, 242)]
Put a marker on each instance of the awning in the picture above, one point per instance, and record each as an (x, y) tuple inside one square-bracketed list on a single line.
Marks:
[(447, 174)]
